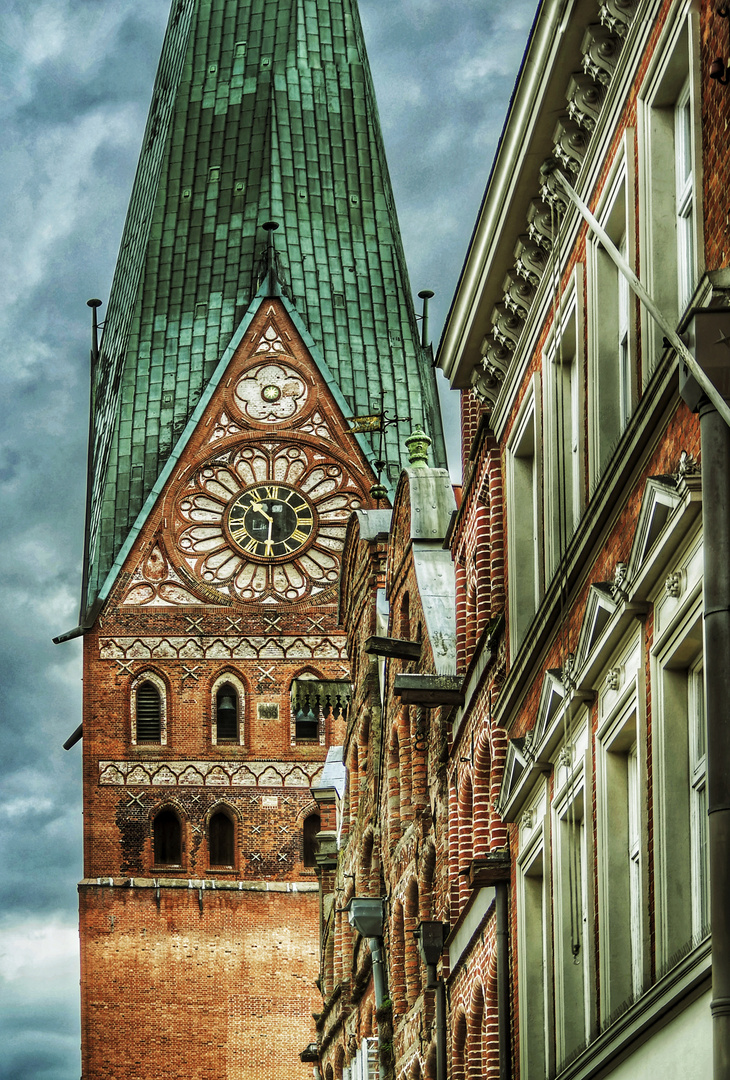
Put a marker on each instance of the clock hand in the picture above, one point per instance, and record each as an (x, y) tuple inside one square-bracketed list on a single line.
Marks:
[(259, 508)]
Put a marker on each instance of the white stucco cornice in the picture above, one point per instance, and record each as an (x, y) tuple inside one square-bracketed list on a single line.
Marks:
[(525, 143)]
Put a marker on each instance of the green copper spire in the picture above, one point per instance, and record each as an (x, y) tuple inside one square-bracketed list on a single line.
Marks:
[(263, 111)]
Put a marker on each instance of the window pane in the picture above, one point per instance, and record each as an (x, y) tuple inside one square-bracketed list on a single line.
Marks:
[(684, 195), (221, 840), (148, 713), (167, 839)]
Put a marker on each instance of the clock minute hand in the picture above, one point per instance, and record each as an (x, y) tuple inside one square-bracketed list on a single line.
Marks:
[(269, 545)]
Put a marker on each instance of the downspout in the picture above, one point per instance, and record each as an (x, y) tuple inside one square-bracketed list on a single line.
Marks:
[(376, 950), (441, 1030), (715, 436), (503, 998)]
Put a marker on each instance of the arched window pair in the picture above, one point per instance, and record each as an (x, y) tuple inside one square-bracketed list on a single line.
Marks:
[(149, 712), (167, 840)]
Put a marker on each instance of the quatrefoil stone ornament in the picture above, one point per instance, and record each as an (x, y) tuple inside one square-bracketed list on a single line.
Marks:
[(271, 393)]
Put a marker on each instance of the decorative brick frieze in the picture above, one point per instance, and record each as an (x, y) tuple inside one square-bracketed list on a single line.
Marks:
[(221, 648), (170, 774)]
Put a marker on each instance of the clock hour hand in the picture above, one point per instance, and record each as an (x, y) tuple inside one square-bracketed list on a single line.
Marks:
[(259, 508)]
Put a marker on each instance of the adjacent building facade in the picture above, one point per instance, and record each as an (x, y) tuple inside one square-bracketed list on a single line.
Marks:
[(539, 809)]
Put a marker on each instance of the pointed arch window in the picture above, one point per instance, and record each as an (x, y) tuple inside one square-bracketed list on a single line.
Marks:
[(167, 839), (222, 840), (148, 712), (309, 839), (226, 711), (227, 698)]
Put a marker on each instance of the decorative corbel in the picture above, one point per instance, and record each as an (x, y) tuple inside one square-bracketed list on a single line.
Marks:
[(571, 143), (617, 15), (600, 48), (585, 99)]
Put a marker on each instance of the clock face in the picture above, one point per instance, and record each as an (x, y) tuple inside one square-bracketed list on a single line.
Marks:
[(270, 521), (265, 521)]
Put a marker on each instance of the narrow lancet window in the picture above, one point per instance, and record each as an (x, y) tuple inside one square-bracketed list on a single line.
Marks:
[(167, 838), (311, 828), (221, 840), (226, 705), (148, 713)]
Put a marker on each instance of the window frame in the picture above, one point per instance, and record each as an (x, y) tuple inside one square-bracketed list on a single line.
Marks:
[(622, 829), (563, 408), (686, 195), (612, 323), (233, 680), (676, 660), (573, 791), (675, 66), (222, 810), (161, 687), (524, 443), (534, 941), (699, 824)]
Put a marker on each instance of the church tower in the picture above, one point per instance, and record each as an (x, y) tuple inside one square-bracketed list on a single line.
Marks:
[(260, 302)]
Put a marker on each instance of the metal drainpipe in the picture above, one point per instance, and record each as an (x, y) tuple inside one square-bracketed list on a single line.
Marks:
[(441, 1030), (503, 1002), (715, 436), (376, 949)]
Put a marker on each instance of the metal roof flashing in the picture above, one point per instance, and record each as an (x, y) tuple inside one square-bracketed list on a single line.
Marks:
[(432, 502)]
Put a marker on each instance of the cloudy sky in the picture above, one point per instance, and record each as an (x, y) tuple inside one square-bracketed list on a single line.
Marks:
[(75, 83)]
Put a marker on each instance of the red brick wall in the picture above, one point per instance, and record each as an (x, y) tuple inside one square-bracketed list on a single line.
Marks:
[(171, 990), (715, 123), (226, 990)]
